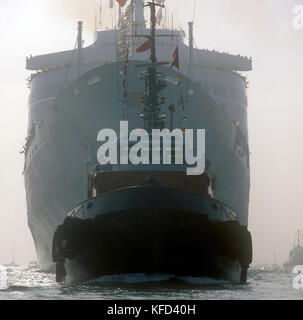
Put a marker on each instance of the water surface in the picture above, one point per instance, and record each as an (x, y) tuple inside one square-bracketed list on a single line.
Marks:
[(21, 283)]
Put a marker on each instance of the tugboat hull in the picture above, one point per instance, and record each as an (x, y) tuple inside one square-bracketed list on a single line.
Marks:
[(152, 230)]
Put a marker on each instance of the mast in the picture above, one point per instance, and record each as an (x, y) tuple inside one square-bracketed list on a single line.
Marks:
[(153, 22), (153, 83), (79, 59), (153, 86)]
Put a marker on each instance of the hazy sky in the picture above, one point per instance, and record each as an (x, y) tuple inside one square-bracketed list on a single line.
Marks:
[(262, 29)]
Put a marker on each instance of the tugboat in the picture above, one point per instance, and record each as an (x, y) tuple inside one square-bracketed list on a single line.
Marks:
[(151, 219)]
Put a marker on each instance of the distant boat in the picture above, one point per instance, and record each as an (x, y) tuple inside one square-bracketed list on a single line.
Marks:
[(12, 264), (275, 266), (33, 265), (296, 253)]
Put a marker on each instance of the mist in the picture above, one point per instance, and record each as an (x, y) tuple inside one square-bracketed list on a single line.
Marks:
[(261, 29)]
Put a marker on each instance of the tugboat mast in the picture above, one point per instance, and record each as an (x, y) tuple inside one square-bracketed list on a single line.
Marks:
[(153, 86), (153, 22)]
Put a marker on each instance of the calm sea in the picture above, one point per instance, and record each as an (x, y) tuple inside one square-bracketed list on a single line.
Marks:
[(20, 283)]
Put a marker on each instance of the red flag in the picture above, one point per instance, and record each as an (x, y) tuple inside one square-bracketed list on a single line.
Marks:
[(145, 46), (176, 59), (159, 1), (122, 2)]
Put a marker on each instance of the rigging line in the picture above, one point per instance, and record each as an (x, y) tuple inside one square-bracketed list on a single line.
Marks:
[(100, 15), (70, 66), (133, 25), (95, 17), (201, 34), (117, 62), (67, 72), (190, 55), (165, 19)]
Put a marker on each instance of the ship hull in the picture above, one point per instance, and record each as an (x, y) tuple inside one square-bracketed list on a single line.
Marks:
[(295, 257), (152, 230)]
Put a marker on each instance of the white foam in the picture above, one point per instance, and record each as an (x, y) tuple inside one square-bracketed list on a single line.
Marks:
[(3, 278)]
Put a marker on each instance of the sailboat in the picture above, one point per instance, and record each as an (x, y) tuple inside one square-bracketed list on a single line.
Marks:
[(13, 263)]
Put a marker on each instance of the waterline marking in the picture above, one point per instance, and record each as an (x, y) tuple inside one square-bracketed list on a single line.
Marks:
[(298, 17), (145, 151), (298, 280)]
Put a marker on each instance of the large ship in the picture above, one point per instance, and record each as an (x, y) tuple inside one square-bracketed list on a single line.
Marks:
[(92, 219)]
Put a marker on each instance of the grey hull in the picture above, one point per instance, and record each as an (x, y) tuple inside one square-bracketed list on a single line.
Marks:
[(64, 147)]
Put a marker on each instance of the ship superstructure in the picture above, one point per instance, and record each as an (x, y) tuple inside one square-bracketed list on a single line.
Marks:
[(76, 93), (296, 253)]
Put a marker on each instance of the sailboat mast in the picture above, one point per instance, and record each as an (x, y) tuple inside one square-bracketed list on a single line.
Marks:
[(14, 249)]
